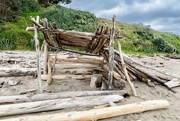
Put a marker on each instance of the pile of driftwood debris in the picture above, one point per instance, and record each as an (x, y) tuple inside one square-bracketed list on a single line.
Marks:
[(107, 68)]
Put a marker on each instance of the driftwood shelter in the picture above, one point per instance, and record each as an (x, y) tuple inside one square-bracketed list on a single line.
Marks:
[(115, 67), (97, 61)]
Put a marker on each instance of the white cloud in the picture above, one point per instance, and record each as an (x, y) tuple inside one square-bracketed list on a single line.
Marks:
[(163, 15)]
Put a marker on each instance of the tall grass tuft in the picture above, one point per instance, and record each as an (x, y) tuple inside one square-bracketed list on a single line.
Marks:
[(7, 44)]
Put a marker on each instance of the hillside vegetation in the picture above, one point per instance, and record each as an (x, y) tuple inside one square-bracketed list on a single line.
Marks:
[(140, 39)]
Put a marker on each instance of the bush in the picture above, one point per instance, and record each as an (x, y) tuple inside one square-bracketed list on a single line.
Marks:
[(16, 8), (70, 19), (162, 45)]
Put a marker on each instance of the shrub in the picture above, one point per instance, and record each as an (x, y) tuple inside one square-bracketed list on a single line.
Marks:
[(17, 7), (70, 19), (162, 45)]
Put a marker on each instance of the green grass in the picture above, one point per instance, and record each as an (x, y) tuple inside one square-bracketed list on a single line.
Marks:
[(139, 39), (21, 37)]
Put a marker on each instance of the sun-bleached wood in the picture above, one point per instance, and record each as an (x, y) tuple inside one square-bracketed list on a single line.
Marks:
[(60, 77), (38, 55), (49, 105), (10, 72), (95, 114), (126, 72), (60, 95)]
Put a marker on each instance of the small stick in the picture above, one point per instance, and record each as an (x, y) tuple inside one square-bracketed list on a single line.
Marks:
[(49, 78), (125, 71), (45, 58)]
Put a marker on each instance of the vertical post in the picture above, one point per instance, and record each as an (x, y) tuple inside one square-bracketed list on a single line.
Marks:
[(45, 58), (38, 55), (111, 54)]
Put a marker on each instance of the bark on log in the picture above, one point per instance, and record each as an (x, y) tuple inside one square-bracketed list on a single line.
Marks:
[(10, 72), (39, 106), (61, 95), (96, 114)]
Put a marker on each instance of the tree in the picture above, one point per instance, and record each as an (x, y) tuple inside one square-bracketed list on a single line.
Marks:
[(54, 1)]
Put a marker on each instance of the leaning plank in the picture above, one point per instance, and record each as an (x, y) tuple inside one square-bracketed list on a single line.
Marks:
[(96, 114), (59, 77), (61, 95), (126, 72), (39, 106), (10, 72)]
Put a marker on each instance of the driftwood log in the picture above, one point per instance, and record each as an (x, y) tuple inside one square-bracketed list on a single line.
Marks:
[(111, 55), (39, 106), (78, 59), (61, 95), (38, 55), (10, 72), (96, 114)]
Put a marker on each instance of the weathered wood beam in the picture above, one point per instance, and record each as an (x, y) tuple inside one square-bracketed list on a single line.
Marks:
[(126, 72), (60, 95), (111, 55), (60, 77), (95, 114), (10, 72), (39, 106), (36, 23)]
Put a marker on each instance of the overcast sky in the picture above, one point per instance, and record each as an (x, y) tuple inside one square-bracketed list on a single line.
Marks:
[(162, 15)]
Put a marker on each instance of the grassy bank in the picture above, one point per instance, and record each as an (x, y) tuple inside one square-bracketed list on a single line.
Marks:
[(140, 39)]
